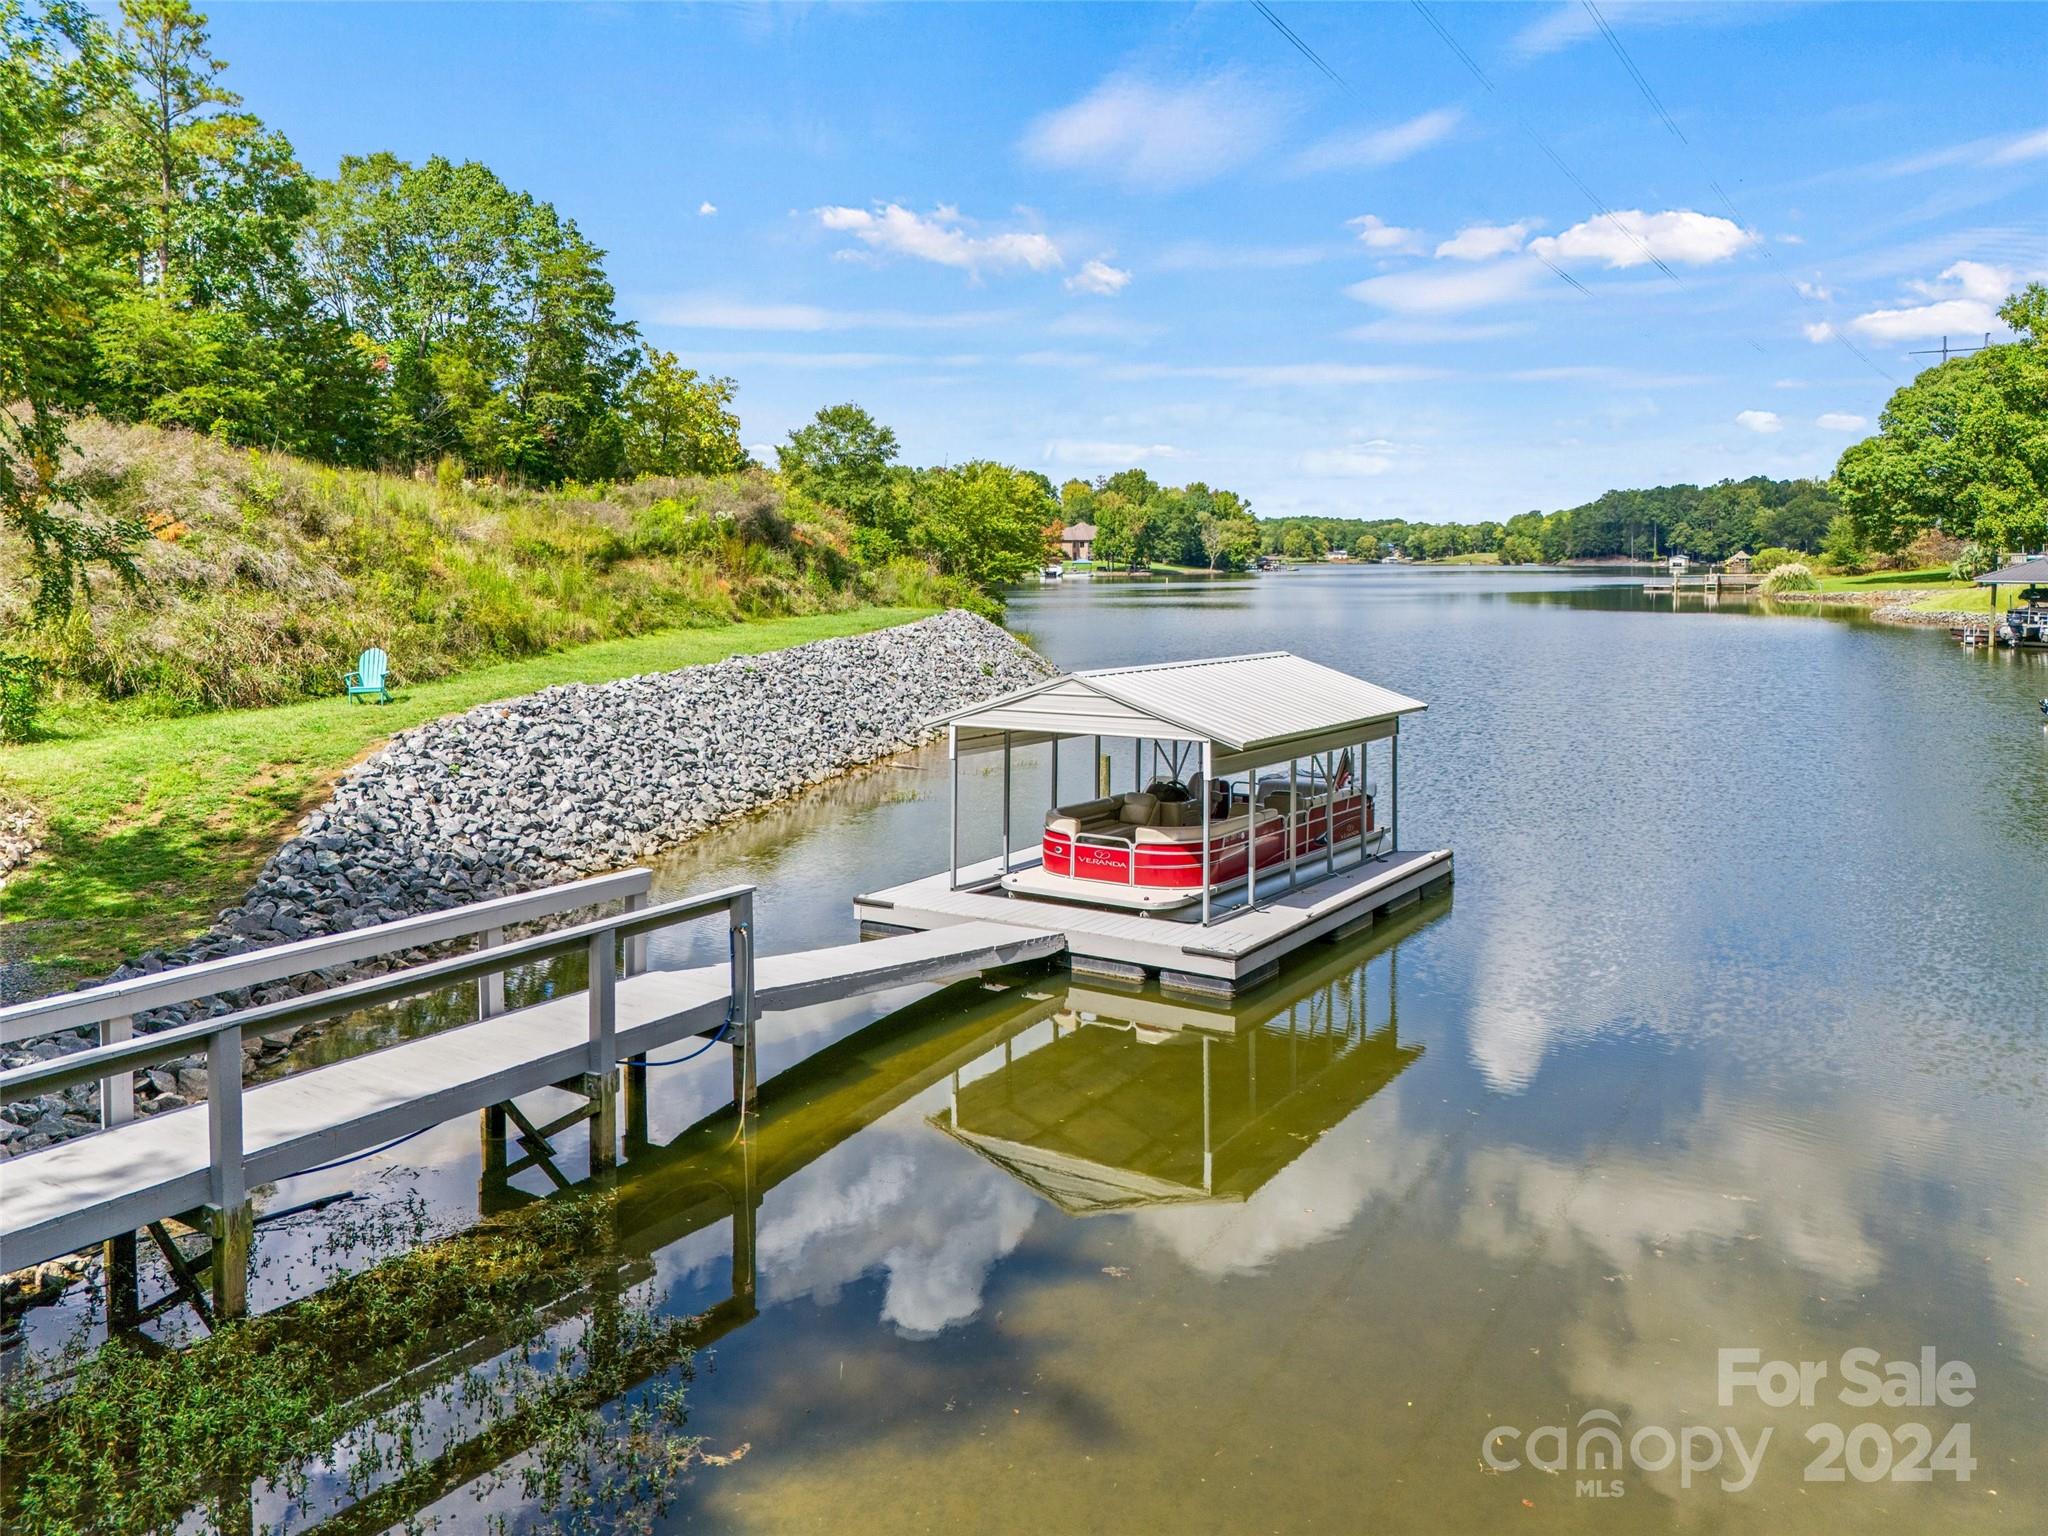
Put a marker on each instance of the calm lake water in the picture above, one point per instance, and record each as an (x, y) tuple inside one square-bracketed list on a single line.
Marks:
[(1732, 1035)]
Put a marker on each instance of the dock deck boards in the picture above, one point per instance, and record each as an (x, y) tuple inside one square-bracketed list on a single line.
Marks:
[(1232, 947), (77, 1192)]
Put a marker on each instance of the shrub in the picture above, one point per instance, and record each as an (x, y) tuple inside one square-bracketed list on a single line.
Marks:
[(1790, 578), (1769, 558), (1972, 561), (22, 679)]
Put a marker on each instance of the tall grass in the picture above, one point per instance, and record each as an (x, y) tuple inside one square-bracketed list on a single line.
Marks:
[(268, 576)]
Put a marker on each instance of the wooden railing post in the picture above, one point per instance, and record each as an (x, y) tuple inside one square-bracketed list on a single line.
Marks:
[(228, 1195), (117, 1093), (636, 1066), (740, 918), (601, 1078), (490, 1002)]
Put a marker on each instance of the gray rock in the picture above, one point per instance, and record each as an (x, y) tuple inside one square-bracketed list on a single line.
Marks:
[(575, 780)]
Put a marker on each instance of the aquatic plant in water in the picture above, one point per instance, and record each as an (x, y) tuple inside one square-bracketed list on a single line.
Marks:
[(513, 1362)]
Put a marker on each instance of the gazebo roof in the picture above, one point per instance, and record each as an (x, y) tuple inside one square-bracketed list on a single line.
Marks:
[(1261, 707), (2020, 573)]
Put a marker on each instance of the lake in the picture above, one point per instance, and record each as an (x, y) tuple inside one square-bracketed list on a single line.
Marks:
[(1733, 1035)]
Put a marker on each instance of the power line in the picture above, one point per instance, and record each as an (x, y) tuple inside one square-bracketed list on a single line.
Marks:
[(1656, 102), (1303, 48), (1543, 144), (1635, 74)]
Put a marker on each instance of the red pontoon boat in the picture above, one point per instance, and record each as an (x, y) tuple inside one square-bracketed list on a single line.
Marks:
[(1240, 769)]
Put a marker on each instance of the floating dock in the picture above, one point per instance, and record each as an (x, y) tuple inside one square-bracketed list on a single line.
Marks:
[(1239, 949)]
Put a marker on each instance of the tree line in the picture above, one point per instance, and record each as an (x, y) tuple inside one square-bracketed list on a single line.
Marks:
[(1961, 452), (1709, 522), (167, 260), (1139, 522)]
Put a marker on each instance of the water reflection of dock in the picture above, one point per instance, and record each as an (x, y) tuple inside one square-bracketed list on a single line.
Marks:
[(1186, 1103), (1118, 1101)]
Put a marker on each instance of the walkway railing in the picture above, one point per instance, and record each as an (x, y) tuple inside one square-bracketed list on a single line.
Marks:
[(220, 1039), (111, 1008)]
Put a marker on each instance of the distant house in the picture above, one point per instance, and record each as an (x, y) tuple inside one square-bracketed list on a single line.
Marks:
[(1077, 541), (1339, 556), (1737, 564)]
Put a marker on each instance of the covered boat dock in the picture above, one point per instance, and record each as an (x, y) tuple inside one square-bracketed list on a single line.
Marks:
[(1250, 826)]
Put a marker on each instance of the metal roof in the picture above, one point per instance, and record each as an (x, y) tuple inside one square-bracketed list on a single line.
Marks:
[(2024, 572), (1241, 703)]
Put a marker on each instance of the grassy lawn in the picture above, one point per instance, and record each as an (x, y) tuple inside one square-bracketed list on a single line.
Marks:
[(1929, 576), (153, 825), (1954, 599), (1483, 557)]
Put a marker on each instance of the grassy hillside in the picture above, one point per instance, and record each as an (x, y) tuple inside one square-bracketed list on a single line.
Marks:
[(266, 575), (151, 826)]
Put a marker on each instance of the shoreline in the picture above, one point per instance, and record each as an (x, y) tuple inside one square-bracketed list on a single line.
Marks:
[(573, 780)]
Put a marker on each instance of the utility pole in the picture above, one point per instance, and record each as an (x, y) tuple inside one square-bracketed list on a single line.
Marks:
[(1945, 351)]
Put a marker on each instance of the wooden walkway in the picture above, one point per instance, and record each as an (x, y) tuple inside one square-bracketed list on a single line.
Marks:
[(107, 1185), (1238, 949)]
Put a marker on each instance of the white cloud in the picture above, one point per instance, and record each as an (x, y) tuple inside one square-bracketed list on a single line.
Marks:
[(941, 237), (1818, 330), (1557, 28), (1431, 332), (1156, 137), (1310, 375), (1380, 146), (1570, 22), (1482, 242), (1375, 233), (1099, 277), (1346, 463), (1996, 151), (1813, 291), (1840, 421), (1679, 236), (1101, 323), (1765, 422), (1084, 451), (1963, 300), (709, 312), (1449, 291), (706, 209), (1201, 256)]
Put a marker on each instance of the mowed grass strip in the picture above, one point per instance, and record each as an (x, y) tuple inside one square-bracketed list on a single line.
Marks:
[(152, 826)]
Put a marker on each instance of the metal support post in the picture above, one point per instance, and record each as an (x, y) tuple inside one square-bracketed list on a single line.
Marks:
[(1006, 802), (953, 806), (744, 1017), (1208, 780), (1394, 792), (1293, 823)]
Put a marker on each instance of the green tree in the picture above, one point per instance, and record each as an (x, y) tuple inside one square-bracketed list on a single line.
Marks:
[(58, 229), (984, 522), (1962, 449), (843, 457), (678, 422), (489, 316), (216, 199)]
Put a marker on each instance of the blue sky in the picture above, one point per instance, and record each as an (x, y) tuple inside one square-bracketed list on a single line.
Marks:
[(1077, 237)]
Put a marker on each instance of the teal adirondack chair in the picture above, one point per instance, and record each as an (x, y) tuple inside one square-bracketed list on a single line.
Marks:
[(367, 681)]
